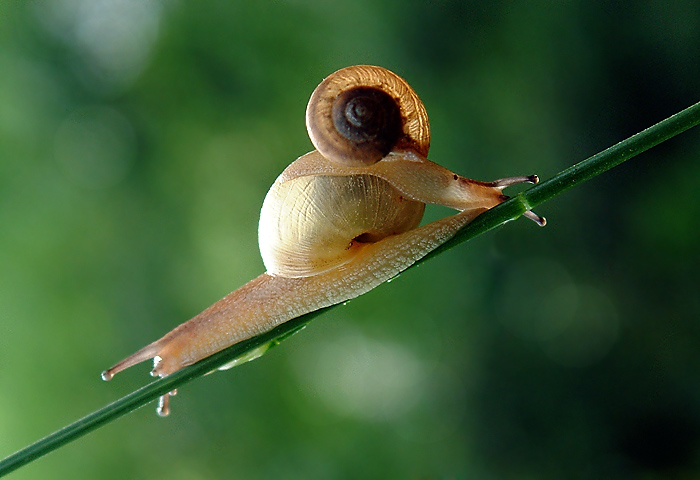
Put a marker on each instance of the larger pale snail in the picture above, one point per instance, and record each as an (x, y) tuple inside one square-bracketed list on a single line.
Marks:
[(339, 220)]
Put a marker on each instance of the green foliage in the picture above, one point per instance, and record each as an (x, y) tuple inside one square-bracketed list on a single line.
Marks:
[(137, 140), (256, 347)]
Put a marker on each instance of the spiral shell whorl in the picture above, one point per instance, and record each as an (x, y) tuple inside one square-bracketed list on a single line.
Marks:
[(409, 130)]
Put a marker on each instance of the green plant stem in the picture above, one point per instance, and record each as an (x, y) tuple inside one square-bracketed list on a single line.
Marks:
[(576, 174), (508, 210)]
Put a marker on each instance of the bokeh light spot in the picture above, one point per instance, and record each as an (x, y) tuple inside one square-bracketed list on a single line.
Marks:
[(361, 377)]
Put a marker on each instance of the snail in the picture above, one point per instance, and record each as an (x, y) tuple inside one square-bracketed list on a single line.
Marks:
[(339, 220)]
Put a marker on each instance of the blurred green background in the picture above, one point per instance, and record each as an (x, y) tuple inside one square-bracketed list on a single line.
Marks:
[(138, 139)]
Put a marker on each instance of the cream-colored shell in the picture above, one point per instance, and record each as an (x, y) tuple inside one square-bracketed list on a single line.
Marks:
[(312, 223)]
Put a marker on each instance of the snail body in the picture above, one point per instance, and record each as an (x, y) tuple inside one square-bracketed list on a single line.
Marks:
[(339, 220)]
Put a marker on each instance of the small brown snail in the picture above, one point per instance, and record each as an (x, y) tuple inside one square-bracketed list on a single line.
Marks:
[(339, 220)]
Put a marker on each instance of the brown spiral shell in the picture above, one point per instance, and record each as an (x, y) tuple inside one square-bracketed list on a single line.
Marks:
[(358, 114)]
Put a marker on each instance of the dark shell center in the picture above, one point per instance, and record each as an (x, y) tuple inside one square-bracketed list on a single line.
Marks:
[(369, 118)]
